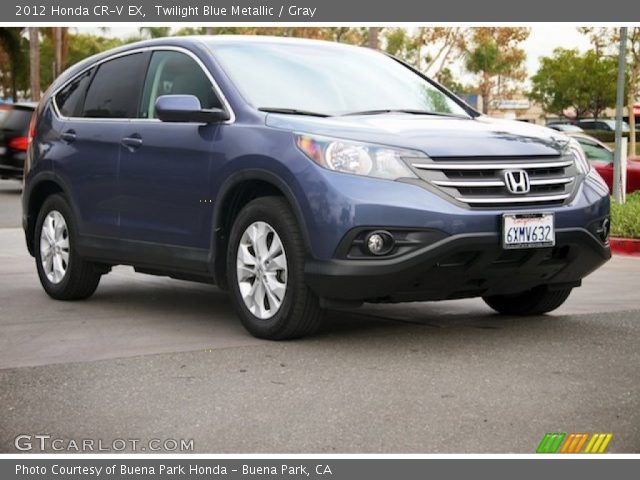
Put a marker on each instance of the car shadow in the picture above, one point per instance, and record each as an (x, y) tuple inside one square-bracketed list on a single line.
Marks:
[(161, 299)]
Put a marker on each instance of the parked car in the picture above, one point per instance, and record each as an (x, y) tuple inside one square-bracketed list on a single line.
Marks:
[(601, 124), (14, 132), (301, 175), (601, 157), (565, 127)]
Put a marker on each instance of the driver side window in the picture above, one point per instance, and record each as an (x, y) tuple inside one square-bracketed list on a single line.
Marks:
[(174, 73)]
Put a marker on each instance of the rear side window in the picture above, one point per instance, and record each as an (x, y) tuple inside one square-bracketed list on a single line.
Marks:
[(174, 73), (17, 120), (4, 111), (115, 89), (69, 99)]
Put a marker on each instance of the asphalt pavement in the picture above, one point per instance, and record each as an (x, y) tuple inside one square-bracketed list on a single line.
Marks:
[(149, 357)]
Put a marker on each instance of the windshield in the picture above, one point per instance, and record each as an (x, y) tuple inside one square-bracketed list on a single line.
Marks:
[(327, 79), (595, 152)]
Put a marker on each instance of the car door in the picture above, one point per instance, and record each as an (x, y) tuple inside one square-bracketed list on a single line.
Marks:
[(96, 107), (165, 168)]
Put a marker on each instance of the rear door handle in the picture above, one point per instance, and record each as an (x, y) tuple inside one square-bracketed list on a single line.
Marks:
[(69, 136), (132, 142)]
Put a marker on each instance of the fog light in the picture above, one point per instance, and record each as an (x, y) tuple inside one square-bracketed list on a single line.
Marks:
[(379, 242), (604, 230)]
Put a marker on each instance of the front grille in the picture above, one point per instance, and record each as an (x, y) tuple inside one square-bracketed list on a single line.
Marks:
[(480, 182)]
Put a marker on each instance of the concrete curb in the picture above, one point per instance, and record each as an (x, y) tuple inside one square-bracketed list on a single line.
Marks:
[(625, 246)]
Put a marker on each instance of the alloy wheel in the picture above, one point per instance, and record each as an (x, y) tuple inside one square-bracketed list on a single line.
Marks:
[(261, 267), (54, 247)]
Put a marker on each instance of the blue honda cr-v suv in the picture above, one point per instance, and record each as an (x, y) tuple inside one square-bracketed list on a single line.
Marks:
[(299, 175)]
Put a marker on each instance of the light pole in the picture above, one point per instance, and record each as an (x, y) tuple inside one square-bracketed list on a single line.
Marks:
[(619, 163)]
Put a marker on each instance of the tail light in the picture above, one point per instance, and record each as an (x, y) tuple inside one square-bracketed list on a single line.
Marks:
[(19, 143), (22, 143), (32, 128)]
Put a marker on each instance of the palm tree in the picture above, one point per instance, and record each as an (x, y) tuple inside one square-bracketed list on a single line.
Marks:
[(11, 43), (59, 38), (374, 33), (34, 63)]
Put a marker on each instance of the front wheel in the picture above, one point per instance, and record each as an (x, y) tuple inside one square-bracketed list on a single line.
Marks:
[(265, 271), (532, 302)]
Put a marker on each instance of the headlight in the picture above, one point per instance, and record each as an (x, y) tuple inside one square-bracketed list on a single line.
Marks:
[(579, 157), (357, 158)]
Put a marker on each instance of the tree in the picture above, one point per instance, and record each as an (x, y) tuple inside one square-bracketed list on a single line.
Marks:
[(633, 88), (582, 82), (352, 35), (606, 40), (429, 49), (442, 45), (445, 78), (601, 38), (373, 39), (494, 54), (34, 63), (12, 43), (80, 46), (155, 32)]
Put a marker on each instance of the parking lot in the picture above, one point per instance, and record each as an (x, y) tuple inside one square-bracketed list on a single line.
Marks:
[(150, 357)]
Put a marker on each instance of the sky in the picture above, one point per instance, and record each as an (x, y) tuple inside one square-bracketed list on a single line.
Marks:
[(544, 39), (541, 41)]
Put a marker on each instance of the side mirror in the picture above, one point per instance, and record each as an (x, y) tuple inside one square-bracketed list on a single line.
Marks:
[(187, 108)]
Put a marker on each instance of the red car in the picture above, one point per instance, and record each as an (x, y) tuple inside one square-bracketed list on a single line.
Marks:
[(601, 157)]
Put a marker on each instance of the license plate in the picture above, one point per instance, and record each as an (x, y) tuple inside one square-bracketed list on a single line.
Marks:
[(3, 150), (531, 230)]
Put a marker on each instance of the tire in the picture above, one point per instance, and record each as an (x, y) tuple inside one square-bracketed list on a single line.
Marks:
[(532, 302), (298, 314), (79, 278)]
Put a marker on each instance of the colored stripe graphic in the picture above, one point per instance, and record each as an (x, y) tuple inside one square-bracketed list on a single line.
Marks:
[(581, 442), (573, 442), (551, 442), (598, 443)]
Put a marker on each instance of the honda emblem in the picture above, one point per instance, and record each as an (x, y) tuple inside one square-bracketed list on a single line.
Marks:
[(517, 181)]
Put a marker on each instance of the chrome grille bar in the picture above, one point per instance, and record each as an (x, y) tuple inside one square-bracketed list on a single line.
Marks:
[(491, 166), (467, 184), (522, 199), (551, 181), (499, 183), (480, 182)]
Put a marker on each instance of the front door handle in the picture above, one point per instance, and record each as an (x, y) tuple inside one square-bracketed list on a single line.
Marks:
[(69, 136), (132, 142)]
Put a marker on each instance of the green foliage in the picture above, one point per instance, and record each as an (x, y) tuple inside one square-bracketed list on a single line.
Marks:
[(494, 54), (568, 79), (446, 79), (81, 46), (14, 76), (155, 32), (400, 44), (625, 219)]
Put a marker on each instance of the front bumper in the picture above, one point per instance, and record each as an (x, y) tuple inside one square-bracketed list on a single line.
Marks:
[(459, 266)]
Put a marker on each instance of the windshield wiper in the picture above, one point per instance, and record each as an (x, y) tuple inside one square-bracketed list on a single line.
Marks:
[(403, 110), (292, 111)]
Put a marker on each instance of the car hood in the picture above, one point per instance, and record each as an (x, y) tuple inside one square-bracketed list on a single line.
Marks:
[(436, 136)]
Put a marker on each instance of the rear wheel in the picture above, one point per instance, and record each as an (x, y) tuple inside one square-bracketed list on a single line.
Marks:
[(532, 302), (64, 275), (265, 271)]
